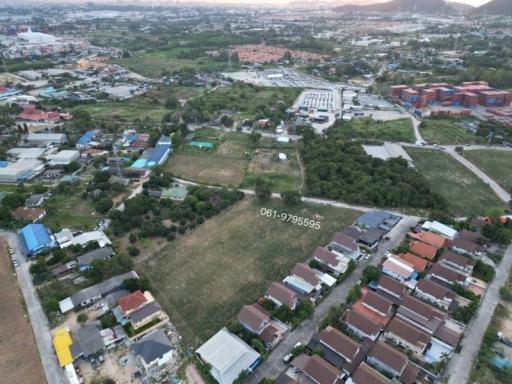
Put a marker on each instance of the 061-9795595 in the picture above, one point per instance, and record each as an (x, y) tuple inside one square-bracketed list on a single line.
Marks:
[(288, 217)]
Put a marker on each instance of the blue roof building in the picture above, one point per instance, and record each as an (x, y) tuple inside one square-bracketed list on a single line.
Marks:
[(86, 138), (35, 238), (153, 156)]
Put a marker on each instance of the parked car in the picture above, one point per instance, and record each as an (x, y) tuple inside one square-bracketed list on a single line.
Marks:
[(15, 263), (287, 358)]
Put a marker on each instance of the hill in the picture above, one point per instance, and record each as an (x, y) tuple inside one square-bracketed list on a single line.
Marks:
[(417, 6), (461, 7), (495, 7)]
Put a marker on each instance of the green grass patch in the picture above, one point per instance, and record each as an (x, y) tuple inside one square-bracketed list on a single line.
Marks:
[(496, 163), (466, 193), (369, 129), (122, 111), (205, 277), (448, 131)]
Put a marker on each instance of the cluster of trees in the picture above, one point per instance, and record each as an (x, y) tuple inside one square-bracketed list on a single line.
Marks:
[(144, 216), (341, 170), (303, 310), (483, 271)]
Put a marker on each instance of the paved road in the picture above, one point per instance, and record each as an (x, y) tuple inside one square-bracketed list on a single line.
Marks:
[(274, 365), (42, 334), (460, 364)]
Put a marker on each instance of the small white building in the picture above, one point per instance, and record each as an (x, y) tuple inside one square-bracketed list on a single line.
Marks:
[(227, 356)]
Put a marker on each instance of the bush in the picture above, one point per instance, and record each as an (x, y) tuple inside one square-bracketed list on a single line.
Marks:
[(291, 198), (133, 250), (82, 318), (483, 271), (354, 294), (370, 273)]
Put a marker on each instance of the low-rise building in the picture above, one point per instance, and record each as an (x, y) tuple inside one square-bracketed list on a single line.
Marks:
[(434, 293), (316, 369), (420, 314), (253, 319), (365, 374), (280, 294), (362, 326), (440, 229), (407, 336), (391, 287), (378, 304), (397, 268), (336, 263), (446, 275), (345, 245), (154, 351), (387, 358), (227, 356)]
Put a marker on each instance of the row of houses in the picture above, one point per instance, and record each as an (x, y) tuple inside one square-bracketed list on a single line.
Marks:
[(395, 325), (227, 355)]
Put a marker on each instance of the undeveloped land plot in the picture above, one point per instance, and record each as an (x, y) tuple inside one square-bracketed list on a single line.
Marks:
[(19, 359), (226, 171), (204, 278)]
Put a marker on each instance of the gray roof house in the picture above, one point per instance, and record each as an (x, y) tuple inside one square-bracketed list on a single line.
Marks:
[(154, 351), (93, 293), (87, 342), (97, 254)]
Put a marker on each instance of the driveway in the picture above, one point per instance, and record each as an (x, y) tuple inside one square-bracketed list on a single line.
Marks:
[(42, 334), (274, 365), (459, 365)]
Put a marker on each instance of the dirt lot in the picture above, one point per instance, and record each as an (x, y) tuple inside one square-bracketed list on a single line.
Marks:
[(19, 359), (226, 171)]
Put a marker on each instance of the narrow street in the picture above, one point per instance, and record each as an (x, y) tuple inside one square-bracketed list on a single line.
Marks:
[(274, 365), (460, 365), (42, 333)]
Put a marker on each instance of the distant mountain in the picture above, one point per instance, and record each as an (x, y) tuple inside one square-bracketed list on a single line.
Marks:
[(461, 7), (495, 7), (417, 6)]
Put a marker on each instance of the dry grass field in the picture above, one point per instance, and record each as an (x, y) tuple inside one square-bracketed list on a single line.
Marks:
[(19, 359), (204, 278)]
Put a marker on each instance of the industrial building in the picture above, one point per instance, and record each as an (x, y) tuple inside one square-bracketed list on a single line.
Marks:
[(26, 153), (154, 156), (35, 239), (64, 157), (85, 140), (467, 94), (46, 138), (21, 170)]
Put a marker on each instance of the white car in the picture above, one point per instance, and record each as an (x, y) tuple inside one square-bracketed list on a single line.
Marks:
[(15, 263), (287, 358)]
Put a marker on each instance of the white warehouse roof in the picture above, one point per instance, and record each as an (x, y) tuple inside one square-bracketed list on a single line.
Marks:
[(64, 157), (228, 356), (26, 153), (85, 238)]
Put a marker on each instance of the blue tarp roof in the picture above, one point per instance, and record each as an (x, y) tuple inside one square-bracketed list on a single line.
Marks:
[(4, 163), (35, 237), (86, 138)]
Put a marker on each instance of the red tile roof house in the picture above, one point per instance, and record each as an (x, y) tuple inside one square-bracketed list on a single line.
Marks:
[(458, 263), (378, 304), (420, 314), (423, 250), (407, 336), (253, 319), (387, 358), (419, 264), (433, 239), (364, 374), (317, 369), (391, 287), (134, 301), (362, 326), (345, 245), (336, 263), (280, 294), (447, 275), (434, 293), (31, 113), (397, 268)]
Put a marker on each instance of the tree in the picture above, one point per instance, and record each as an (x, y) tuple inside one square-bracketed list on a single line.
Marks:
[(291, 198), (262, 189), (172, 102), (133, 250), (354, 294), (258, 345), (254, 138), (82, 318), (13, 200), (370, 273), (103, 205), (72, 167), (234, 326)]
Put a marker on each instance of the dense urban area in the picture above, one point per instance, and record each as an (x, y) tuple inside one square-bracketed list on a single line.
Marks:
[(294, 194)]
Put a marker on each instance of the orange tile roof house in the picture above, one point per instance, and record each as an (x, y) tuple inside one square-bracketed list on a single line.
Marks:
[(424, 250), (253, 319), (280, 294), (430, 238), (419, 264), (316, 369), (134, 301)]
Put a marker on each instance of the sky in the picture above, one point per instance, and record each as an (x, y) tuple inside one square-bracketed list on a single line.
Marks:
[(255, 2)]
